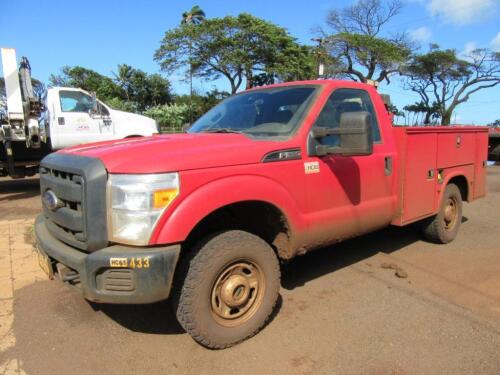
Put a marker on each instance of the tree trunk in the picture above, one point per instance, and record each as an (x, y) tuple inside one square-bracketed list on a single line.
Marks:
[(427, 119), (446, 119), (249, 78)]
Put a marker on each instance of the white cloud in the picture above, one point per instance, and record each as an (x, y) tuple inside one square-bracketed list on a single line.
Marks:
[(462, 12), (495, 43), (422, 34), (469, 47)]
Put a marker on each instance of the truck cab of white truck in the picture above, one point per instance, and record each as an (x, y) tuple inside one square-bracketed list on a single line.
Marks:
[(65, 117), (73, 116)]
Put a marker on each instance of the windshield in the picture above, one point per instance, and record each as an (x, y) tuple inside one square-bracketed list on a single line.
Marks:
[(273, 112)]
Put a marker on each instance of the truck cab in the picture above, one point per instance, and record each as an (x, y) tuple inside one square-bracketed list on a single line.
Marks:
[(206, 218), (73, 116), (67, 117)]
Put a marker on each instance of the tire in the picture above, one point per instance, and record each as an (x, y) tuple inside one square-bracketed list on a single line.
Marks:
[(443, 227), (229, 289)]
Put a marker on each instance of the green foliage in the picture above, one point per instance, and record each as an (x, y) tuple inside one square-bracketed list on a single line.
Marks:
[(237, 48), (495, 124), (357, 49), (171, 117), (130, 90), (200, 104), (444, 80), (88, 80), (423, 113), (367, 57), (195, 16)]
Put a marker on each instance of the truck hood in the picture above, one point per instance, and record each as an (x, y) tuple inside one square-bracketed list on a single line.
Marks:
[(145, 124), (177, 152)]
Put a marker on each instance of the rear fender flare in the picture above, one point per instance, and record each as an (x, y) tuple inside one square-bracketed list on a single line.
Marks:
[(445, 183)]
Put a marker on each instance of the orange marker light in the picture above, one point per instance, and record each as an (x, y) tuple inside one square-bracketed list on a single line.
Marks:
[(162, 198)]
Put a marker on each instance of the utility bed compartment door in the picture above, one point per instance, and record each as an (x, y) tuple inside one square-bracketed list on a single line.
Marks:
[(427, 152), (418, 176), (455, 149)]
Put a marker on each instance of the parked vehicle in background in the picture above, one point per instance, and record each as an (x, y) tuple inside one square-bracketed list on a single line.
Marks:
[(65, 117), (268, 174), (494, 144)]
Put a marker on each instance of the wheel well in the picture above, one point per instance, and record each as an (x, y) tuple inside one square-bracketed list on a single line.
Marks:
[(462, 185), (260, 218)]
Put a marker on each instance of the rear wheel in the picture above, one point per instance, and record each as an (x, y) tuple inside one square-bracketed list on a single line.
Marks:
[(230, 288), (443, 227)]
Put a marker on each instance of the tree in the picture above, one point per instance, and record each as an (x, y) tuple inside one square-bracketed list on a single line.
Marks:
[(365, 17), (358, 50), (236, 48), (123, 77), (171, 117), (200, 103), (88, 80), (429, 110), (131, 89), (495, 124), (443, 80), (195, 16)]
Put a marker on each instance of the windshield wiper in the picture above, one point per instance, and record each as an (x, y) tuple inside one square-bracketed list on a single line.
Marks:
[(221, 130)]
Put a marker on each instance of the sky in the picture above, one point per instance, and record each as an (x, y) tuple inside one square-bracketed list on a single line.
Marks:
[(102, 34)]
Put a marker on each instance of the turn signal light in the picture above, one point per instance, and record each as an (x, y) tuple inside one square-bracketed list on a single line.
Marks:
[(162, 198)]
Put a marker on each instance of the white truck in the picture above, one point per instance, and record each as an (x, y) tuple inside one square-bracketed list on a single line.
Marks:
[(64, 117)]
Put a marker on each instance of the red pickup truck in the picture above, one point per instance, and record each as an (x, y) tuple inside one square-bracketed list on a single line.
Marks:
[(264, 176)]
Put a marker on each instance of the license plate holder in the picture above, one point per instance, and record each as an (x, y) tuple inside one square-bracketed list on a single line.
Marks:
[(45, 263)]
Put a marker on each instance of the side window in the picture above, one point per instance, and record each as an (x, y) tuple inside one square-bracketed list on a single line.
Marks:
[(75, 101), (103, 111), (345, 100)]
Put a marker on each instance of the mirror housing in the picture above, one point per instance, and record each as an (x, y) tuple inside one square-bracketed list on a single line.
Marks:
[(355, 132), (94, 110), (186, 127)]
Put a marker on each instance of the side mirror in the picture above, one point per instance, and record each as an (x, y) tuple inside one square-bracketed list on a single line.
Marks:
[(94, 110), (355, 133), (186, 127)]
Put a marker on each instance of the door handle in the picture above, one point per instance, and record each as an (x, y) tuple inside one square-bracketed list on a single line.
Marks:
[(388, 165)]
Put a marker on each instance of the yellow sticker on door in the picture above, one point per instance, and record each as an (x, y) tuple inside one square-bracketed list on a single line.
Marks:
[(311, 167)]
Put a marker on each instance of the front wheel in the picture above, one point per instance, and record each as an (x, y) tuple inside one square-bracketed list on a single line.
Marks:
[(443, 227), (229, 290)]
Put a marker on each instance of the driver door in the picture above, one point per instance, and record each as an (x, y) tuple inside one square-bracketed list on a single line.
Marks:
[(74, 124), (350, 195)]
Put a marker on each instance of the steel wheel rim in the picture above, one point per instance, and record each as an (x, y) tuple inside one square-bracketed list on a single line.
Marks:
[(450, 213), (237, 293)]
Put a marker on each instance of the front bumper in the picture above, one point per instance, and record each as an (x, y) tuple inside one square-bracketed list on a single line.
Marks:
[(115, 274)]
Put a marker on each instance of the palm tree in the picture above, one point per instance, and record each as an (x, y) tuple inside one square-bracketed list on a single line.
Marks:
[(195, 16), (122, 78)]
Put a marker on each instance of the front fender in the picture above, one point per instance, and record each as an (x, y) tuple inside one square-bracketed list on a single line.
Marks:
[(174, 226)]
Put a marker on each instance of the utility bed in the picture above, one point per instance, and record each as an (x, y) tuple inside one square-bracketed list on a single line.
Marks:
[(431, 155)]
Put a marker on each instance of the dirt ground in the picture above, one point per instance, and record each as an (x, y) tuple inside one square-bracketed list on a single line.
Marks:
[(340, 311)]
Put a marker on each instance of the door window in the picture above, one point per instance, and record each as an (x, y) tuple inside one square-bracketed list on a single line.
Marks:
[(75, 101), (345, 100)]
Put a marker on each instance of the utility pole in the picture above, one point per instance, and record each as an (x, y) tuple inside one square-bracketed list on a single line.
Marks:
[(320, 64)]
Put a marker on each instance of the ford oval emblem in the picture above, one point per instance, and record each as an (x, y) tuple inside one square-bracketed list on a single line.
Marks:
[(50, 200)]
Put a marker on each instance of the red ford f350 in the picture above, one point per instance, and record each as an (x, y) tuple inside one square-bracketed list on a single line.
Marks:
[(207, 217)]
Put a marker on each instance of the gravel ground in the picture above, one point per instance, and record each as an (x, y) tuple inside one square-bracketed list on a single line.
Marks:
[(342, 309)]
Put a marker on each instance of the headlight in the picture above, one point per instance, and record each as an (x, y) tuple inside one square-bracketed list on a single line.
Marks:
[(136, 202)]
